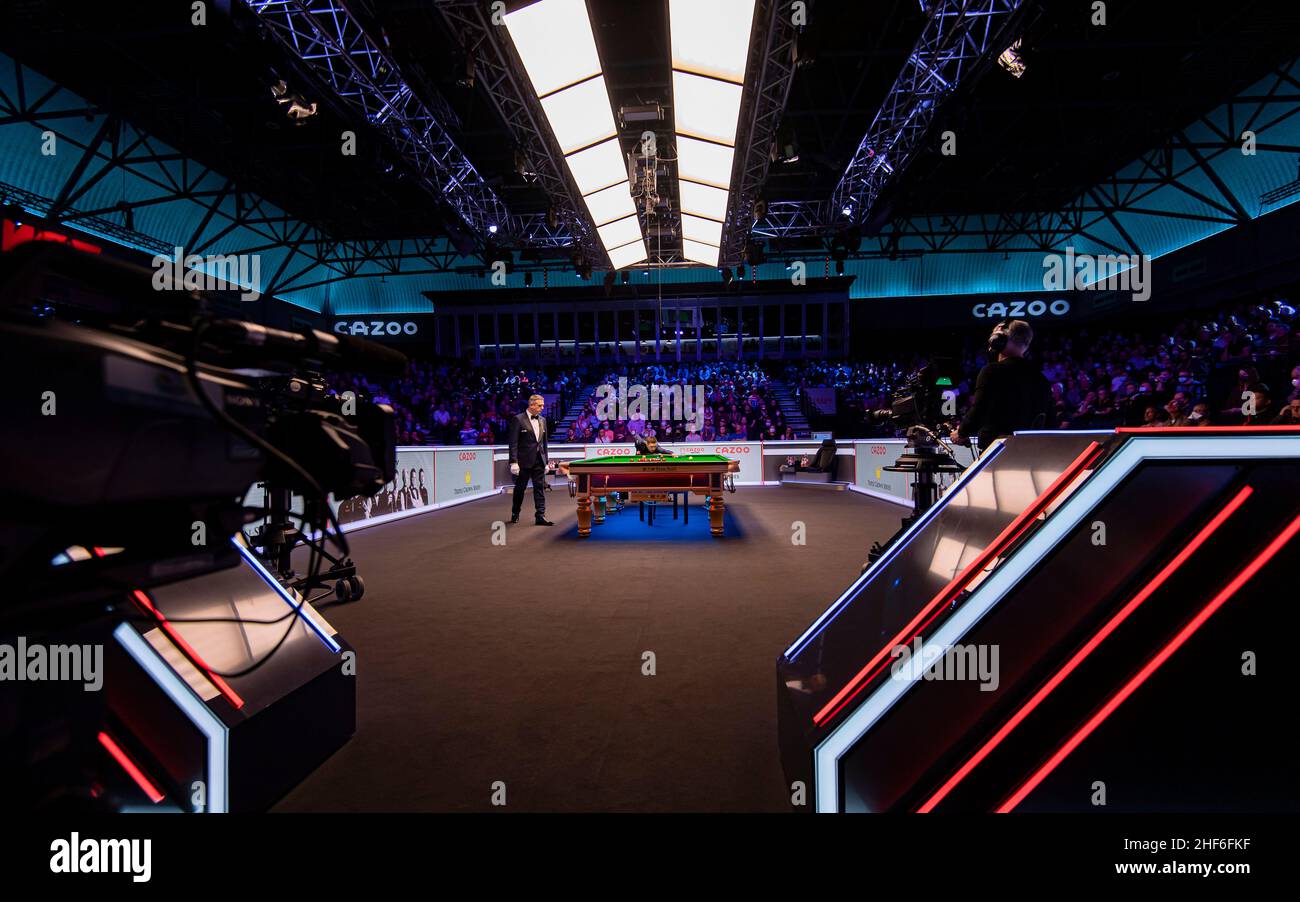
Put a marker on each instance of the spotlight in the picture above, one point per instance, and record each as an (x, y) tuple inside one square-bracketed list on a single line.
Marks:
[(760, 210), (492, 229), (1011, 60), (740, 271), (725, 272), (839, 267), (625, 277), (465, 70), (528, 280), (523, 168), (785, 149), (847, 210)]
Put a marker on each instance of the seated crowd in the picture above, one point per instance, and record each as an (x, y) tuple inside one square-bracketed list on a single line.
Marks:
[(1226, 367), (452, 402), (738, 405)]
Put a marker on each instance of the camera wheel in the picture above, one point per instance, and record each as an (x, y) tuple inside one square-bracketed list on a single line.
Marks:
[(358, 588), (343, 589)]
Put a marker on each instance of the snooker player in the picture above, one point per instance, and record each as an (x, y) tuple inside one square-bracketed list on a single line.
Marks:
[(650, 445)]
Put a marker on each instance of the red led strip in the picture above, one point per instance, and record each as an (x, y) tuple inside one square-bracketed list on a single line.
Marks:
[(928, 613), (1203, 430), (1111, 625), (1151, 666), (145, 784), (146, 605)]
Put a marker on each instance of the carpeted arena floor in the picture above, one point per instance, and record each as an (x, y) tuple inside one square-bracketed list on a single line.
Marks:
[(522, 663)]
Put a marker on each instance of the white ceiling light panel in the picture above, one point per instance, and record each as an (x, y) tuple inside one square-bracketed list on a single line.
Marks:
[(620, 232), (628, 254), (710, 51), (557, 47), (700, 253)]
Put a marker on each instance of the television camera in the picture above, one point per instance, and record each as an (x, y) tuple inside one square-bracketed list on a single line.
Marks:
[(928, 397), (142, 419)]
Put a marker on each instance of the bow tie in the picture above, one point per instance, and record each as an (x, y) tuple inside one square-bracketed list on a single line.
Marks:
[(534, 418)]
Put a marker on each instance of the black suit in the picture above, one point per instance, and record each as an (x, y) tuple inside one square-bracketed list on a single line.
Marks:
[(531, 455)]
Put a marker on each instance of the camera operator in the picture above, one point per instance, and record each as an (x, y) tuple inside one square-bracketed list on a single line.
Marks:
[(1011, 393)]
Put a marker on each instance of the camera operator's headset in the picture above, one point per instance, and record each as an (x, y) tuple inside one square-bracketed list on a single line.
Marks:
[(998, 339)]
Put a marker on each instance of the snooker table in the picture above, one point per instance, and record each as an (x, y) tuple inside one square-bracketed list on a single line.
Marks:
[(649, 477)]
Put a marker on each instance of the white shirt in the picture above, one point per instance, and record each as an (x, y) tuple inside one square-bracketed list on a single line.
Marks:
[(536, 423)]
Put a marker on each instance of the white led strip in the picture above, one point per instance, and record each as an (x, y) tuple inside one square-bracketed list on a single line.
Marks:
[(558, 49), (710, 50), (199, 714)]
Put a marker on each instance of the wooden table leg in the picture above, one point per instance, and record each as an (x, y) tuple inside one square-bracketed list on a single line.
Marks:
[(715, 514), (584, 515)]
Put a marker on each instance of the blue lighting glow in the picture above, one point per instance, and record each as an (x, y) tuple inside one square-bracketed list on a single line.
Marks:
[(260, 570)]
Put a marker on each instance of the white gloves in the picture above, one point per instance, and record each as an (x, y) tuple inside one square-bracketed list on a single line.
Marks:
[(514, 469)]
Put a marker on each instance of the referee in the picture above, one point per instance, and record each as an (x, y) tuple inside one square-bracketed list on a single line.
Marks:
[(1011, 393)]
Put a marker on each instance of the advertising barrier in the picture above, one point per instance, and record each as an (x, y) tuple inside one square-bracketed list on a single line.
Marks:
[(750, 455), (870, 459), (429, 478), (460, 474), (871, 456), (408, 493)]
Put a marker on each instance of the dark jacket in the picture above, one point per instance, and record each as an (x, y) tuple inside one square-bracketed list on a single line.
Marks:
[(1010, 395), (524, 448)]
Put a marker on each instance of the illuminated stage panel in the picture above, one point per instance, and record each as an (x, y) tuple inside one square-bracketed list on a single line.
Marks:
[(249, 714), (1050, 593)]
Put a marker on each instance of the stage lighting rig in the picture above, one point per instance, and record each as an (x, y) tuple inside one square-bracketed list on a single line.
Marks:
[(1011, 60), (785, 149), (296, 106)]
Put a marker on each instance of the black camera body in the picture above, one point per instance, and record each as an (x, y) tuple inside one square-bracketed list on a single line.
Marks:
[(352, 442), (146, 434), (920, 401)]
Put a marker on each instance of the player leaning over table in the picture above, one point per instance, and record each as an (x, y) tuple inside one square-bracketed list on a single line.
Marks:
[(526, 435), (650, 445)]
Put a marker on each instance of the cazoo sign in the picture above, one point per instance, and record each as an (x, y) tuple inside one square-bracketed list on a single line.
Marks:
[(1015, 309), (376, 328)]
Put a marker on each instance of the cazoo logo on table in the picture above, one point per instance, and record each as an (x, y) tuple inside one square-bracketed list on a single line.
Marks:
[(1013, 309), (375, 327)]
